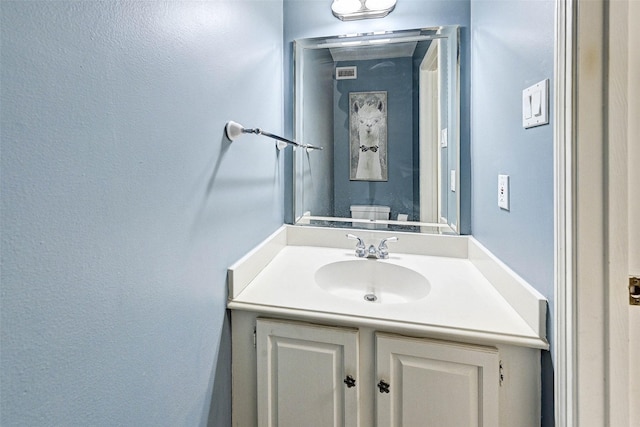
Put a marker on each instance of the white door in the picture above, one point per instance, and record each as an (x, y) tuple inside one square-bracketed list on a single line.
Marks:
[(307, 375), (598, 338), (634, 206), (430, 124), (429, 383)]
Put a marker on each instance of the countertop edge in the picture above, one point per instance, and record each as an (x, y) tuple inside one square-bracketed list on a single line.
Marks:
[(530, 304), (243, 271), (439, 332)]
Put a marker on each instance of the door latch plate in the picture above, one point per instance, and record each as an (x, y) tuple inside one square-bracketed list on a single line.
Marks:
[(634, 290)]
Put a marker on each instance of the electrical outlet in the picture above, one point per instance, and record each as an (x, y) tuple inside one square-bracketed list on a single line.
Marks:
[(503, 192)]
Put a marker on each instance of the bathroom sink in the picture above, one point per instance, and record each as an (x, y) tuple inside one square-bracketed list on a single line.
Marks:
[(373, 281)]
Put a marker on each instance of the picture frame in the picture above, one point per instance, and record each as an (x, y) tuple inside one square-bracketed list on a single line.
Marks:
[(368, 136)]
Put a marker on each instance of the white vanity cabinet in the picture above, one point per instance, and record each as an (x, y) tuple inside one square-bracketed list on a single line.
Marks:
[(465, 354), (299, 374), (425, 382), (307, 375)]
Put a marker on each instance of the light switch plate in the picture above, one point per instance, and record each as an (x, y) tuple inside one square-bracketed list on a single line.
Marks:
[(503, 192), (444, 138), (535, 105), (453, 180)]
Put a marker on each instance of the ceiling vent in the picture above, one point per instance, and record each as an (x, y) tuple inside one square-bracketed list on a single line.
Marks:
[(346, 73)]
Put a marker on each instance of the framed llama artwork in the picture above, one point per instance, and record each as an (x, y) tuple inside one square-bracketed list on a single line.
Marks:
[(368, 136)]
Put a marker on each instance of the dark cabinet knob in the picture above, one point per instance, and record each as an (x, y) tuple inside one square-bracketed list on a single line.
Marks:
[(383, 387), (350, 381)]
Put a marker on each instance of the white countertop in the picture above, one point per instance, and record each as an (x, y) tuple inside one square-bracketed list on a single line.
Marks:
[(462, 303)]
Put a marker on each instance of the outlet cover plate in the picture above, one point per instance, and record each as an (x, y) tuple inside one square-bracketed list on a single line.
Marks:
[(503, 192)]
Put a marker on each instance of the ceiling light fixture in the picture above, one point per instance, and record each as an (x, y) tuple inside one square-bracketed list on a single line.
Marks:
[(349, 10)]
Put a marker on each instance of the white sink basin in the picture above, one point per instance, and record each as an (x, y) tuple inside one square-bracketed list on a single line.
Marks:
[(372, 280)]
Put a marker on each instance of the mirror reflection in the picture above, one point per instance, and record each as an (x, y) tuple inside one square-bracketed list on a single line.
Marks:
[(385, 108)]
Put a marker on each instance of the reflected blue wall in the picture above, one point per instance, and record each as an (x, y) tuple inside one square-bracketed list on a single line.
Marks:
[(393, 76)]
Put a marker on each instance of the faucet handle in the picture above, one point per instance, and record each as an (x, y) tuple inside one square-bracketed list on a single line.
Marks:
[(354, 237), (383, 242), (360, 247), (382, 247)]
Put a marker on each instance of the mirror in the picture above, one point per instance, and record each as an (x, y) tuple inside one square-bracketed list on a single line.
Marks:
[(385, 107)]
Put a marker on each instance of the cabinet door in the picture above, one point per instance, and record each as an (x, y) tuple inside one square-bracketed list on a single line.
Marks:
[(301, 375), (435, 384)]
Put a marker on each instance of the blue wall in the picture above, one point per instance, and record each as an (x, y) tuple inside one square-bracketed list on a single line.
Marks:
[(395, 77), (512, 49), (123, 204)]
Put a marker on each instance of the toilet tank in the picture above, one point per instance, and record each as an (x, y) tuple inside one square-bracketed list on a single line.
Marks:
[(370, 212)]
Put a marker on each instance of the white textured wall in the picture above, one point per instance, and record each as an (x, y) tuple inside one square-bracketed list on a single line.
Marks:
[(122, 203)]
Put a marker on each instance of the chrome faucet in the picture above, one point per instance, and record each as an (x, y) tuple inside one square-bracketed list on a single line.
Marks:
[(381, 252)]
